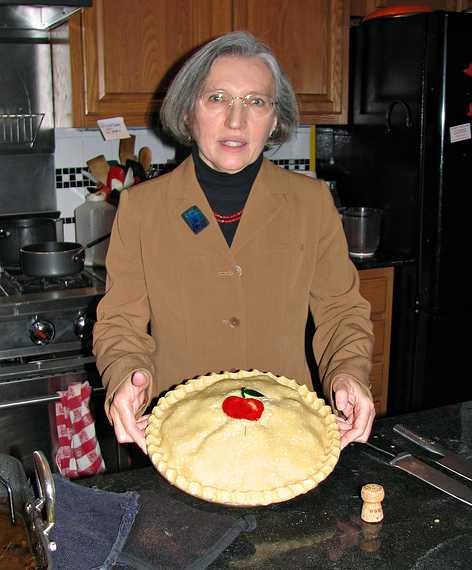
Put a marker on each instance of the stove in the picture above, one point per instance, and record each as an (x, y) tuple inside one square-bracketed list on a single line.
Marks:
[(46, 323), (16, 283), (46, 330)]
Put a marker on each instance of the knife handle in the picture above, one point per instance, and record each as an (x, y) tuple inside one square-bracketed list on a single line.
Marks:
[(423, 442)]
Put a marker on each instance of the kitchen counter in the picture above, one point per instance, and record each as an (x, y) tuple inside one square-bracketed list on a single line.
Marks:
[(423, 528), (382, 259)]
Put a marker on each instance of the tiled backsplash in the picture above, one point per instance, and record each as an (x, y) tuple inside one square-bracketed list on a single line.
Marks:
[(74, 147)]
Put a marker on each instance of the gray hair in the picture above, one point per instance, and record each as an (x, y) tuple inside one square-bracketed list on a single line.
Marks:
[(179, 103)]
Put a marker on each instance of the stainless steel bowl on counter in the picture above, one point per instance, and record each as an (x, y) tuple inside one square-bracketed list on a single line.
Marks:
[(362, 227)]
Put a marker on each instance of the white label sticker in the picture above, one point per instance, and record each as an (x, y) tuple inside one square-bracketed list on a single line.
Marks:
[(113, 129), (460, 132)]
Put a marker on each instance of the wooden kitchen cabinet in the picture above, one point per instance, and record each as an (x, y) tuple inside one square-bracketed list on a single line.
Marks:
[(123, 53), (311, 40), (364, 7), (376, 285)]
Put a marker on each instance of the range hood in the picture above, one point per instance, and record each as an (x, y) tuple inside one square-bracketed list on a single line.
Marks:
[(37, 14)]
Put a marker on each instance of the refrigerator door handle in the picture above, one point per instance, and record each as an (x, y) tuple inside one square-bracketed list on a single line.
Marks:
[(388, 115)]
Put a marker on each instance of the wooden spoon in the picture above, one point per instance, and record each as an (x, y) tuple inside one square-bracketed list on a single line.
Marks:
[(145, 158), (99, 168), (126, 150)]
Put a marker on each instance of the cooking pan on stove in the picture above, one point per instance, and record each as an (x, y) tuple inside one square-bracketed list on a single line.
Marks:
[(55, 258)]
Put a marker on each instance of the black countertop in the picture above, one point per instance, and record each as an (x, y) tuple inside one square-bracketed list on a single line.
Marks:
[(382, 259), (423, 528)]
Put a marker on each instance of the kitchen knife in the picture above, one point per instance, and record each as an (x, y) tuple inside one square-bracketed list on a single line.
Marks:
[(449, 460), (410, 464)]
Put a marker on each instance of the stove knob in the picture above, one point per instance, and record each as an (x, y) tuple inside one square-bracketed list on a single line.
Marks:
[(42, 332), (83, 326)]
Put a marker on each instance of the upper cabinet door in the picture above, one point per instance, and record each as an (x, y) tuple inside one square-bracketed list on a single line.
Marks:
[(123, 53), (311, 39), (130, 49)]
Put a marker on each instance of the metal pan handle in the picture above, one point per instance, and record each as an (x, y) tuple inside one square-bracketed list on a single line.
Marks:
[(91, 244)]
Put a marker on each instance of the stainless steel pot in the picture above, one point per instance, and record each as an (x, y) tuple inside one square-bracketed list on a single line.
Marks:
[(55, 259), (362, 228), (16, 233)]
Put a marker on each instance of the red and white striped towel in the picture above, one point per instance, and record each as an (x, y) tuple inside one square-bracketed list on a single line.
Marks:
[(79, 451)]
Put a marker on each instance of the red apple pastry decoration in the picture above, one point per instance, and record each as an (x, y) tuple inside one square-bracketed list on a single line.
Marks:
[(242, 408)]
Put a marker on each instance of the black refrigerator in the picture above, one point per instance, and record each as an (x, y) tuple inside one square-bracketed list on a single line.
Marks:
[(411, 114)]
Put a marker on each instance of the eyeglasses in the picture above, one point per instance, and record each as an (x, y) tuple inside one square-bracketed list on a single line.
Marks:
[(216, 102)]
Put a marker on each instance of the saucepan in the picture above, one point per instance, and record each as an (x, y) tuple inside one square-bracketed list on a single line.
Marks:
[(54, 258)]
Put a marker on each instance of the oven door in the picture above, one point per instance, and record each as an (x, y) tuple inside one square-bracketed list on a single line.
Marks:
[(27, 417)]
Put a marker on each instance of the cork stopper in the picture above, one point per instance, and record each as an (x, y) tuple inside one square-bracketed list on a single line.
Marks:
[(372, 494)]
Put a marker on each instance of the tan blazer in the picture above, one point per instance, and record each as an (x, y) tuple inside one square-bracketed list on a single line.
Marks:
[(212, 308)]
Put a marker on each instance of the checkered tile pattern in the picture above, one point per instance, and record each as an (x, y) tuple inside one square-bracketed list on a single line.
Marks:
[(73, 177), (293, 163)]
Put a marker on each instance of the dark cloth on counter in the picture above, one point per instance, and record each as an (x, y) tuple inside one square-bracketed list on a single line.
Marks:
[(170, 533), (159, 529), (91, 526), (226, 193)]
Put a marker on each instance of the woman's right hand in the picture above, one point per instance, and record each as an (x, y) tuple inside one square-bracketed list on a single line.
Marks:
[(131, 395)]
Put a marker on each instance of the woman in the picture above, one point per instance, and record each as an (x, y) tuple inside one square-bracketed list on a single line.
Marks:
[(214, 266)]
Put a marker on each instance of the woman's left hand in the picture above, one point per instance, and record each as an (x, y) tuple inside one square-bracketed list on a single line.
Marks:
[(357, 407)]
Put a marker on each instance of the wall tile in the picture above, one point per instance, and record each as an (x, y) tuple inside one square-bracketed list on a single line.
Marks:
[(75, 146), (299, 147)]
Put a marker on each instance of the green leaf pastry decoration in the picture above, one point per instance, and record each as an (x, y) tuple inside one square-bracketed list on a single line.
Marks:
[(247, 392)]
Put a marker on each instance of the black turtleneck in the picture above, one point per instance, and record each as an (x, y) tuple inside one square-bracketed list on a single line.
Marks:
[(226, 193)]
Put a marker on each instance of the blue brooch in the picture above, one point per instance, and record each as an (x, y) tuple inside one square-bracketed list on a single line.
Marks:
[(195, 219)]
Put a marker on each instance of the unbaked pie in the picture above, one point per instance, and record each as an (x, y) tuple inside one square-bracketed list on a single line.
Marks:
[(243, 438)]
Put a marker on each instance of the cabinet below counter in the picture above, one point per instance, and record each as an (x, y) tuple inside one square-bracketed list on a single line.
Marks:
[(376, 285)]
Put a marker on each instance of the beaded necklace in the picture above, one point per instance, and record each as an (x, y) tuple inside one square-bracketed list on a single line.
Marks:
[(221, 219)]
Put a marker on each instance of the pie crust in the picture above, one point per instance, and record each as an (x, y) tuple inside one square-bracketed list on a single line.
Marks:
[(287, 451)]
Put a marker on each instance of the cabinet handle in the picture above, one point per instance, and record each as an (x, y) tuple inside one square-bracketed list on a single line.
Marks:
[(388, 115)]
